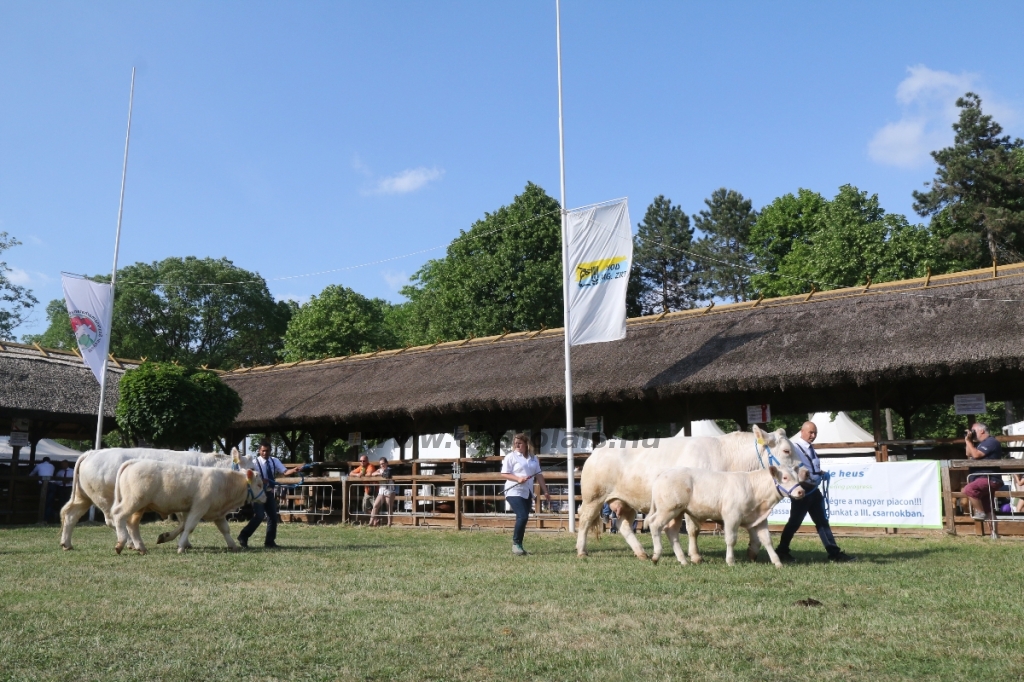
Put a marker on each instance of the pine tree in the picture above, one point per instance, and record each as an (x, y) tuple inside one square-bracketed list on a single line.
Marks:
[(977, 196), (665, 277), (726, 261)]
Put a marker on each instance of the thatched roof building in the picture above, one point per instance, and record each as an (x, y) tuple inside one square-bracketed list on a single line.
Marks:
[(900, 344), (55, 391)]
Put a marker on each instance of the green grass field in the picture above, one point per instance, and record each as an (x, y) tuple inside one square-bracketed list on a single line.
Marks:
[(373, 604)]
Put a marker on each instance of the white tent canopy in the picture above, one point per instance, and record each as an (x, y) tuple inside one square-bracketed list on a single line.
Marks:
[(46, 448), (705, 427), (841, 430)]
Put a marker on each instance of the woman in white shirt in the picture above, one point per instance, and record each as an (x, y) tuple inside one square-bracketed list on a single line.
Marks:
[(520, 469)]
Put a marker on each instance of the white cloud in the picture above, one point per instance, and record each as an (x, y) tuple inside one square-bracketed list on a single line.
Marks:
[(928, 100), (360, 167), (407, 181), (395, 280), (19, 276)]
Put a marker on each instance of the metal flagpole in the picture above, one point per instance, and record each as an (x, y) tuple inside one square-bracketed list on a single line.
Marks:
[(113, 274), (570, 464)]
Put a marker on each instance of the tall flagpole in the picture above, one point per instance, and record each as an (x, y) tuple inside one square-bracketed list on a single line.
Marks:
[(571, 463), (113, 274)]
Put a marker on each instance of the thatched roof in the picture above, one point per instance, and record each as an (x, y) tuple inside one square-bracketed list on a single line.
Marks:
[(55, 388), (908, 343)]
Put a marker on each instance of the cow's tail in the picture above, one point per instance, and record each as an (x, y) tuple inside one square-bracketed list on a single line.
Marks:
[(75, 479), (117, 484)]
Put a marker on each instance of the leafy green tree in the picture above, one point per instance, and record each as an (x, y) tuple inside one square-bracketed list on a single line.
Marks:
[(58, 332), (16, 302), (504, 273), (979, 187), (806, 240), (662, 266), (172, 406), (337, 322), (190, 310), (724, 258)]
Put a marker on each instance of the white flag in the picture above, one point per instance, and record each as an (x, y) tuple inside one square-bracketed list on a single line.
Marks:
[(91, 309), (600, 255)]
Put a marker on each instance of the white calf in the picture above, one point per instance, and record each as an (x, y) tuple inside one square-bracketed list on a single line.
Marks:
[(733, 498), (200, 493)]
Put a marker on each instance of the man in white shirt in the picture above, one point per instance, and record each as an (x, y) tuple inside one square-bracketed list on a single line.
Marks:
[(812, 503), (269, 468), (45, 470)]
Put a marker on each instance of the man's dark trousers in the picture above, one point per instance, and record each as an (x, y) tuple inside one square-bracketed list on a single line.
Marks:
[(259, 512), (814, 504)]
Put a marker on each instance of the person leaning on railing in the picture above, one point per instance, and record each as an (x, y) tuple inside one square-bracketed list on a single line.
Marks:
[(980, 444), (520, 469)]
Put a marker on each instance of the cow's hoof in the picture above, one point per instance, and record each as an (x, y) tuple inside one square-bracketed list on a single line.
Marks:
[(141, 552), (582, 554), (654, 560), (66, 548), (118, 547), (642, 556), (236, 548), (696, 559), (162, 539), (181, 550)]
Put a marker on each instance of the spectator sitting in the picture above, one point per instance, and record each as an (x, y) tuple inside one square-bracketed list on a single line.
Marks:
[(1015, 506), (980, 444), (385, 494), (365, 469)]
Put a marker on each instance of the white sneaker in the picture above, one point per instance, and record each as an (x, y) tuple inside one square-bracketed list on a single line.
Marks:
[(979, 516)]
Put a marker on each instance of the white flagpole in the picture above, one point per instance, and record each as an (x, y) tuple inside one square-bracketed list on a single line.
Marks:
[(570, 464), (113, 274)]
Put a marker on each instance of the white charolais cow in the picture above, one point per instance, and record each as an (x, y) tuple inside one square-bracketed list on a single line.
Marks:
[(622, 475), (731, 498), (198, 493), (96, 472)]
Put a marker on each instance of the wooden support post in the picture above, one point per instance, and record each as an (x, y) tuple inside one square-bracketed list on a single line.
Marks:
[(496, 437), (457, 480), (415, 459), (344, 498), (15, 453), (947, 501), (881, 452), (401, 446)]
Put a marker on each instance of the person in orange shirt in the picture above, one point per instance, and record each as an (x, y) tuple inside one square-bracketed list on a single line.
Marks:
[(365, 469)]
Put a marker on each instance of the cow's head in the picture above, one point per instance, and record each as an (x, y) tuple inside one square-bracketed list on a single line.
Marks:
[(256, 492), (788, 481), (779, 445)]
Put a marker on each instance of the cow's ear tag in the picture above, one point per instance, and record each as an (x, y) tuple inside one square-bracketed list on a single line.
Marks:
[(248, 474), (760, 441)]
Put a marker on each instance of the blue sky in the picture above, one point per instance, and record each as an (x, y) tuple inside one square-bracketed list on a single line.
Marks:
[(301, 137)]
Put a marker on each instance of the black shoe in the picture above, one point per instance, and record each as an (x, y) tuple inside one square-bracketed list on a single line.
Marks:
[(272, 545), (243, 542), (841, 558), (785, 557)]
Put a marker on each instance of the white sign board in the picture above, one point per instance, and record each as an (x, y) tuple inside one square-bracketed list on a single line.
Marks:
[(759, 414), (593, 424), (19, 433), (461, 432), (355, 438), (970, 403), (863, 492)]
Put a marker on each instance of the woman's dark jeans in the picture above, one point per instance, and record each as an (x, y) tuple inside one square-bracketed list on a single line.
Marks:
[(521, 506)]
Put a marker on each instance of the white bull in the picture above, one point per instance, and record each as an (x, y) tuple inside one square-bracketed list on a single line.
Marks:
[(624, 476), (200, 493), (732, 498), (96, 472)]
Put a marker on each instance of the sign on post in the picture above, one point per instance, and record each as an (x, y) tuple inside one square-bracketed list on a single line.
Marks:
[(19, 433), (759, 414), (970, 403), (461, 432), (355, 438), (594, 424)]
